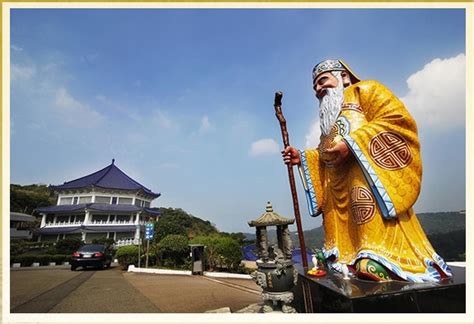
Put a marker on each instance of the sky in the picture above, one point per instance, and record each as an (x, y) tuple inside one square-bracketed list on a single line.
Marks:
[(182, 99)]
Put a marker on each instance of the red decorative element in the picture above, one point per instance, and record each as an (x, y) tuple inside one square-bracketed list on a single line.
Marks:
[(317, 273), (351, 106), (390, 151), (362, 205)]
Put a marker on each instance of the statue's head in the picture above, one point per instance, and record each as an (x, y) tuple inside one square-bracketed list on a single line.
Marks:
[(326, 75), (330, 77)]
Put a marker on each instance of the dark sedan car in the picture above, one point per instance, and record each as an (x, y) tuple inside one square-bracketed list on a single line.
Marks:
[(95, 255)]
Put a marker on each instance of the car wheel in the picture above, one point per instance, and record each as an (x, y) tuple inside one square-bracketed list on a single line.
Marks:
[(73, 268)]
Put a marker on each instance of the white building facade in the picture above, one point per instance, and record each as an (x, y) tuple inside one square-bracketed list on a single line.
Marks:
[(104, 204)]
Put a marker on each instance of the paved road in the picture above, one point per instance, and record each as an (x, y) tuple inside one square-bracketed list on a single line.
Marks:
[(59, 290)]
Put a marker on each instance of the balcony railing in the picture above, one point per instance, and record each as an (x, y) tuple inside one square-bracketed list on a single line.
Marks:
[(125, 242), (65, 223), (94, 222)]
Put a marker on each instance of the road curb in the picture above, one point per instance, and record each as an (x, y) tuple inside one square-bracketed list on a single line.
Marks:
[(132, 268)]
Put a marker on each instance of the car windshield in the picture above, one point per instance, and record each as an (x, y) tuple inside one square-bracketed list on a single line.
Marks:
[(92, 248)]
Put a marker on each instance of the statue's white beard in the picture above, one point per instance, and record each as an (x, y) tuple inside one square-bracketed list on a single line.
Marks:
[(330, 105)]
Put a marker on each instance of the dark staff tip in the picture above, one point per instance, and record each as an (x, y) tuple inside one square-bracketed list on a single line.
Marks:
[(278, 96)]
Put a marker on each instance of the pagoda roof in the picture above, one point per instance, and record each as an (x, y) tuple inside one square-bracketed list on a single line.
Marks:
[(270, 218), (110, 177)]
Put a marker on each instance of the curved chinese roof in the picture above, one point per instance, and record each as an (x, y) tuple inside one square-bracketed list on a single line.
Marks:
[(110, 177), (270, 218)]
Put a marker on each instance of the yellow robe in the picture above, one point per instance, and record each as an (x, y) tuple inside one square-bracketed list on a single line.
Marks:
[(367, 202)]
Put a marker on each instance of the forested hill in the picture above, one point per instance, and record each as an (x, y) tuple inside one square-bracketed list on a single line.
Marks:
[(442, 222)]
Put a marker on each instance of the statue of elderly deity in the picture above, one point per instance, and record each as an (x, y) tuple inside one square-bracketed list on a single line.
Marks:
[(364, 177)]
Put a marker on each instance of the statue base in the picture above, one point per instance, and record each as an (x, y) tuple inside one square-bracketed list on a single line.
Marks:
[(271, 300), (333, 294)]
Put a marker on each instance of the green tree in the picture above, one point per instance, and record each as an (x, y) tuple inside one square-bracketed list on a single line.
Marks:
[(221, 251), (173, 250), (177, 221), (25, 199), (229, 251)]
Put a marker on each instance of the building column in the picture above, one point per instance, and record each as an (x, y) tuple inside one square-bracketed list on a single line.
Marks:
[(137, 219), (43, 220), (87, 216)]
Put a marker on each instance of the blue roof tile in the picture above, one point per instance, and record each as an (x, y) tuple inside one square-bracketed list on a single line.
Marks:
[(110, 177)]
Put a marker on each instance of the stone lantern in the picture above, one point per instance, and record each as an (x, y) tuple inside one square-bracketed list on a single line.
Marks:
[(276, 273)]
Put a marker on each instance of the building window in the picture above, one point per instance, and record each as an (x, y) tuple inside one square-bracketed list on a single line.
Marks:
[(65, 201), (85, 200), (138, 202), (125, 201), (79, 218), (62, 219), (75, 200), (102, 200), (146, 203), (99, 218), (114, 200), (123, 218)]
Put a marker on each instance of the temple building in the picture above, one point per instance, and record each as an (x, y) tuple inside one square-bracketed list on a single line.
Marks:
[(104, 204)]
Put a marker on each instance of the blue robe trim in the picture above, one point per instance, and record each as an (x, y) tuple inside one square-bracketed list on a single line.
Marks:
[(378, 190), (310, 193)]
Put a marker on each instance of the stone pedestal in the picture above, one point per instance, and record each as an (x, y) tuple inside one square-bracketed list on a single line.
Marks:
[(333, 294), (273, 301)]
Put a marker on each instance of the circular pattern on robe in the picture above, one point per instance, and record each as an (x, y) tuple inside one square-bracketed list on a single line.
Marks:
[(362, 205), (390, 151)]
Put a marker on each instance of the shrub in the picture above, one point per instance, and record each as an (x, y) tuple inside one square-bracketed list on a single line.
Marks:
[(43, 259), (26, 259), (173, 250), (127, 255), (60, 258)]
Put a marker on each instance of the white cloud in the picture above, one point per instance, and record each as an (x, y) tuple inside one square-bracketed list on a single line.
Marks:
[(162, 120), (16, 48), (74, 112), (22, 72), (264, 146), (437, 93), (205, 124)]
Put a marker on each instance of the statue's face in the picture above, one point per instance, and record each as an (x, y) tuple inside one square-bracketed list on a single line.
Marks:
[(324, 81), (327, 80)]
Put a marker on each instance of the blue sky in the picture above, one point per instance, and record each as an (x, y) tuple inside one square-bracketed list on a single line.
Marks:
[(183, 98)]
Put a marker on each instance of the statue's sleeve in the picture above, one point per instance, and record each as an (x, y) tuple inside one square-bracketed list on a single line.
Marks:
[(312, 174), (387, 148)]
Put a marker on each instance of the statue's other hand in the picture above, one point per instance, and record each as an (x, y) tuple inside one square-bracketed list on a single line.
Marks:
[(342, 154), (291, 156)]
